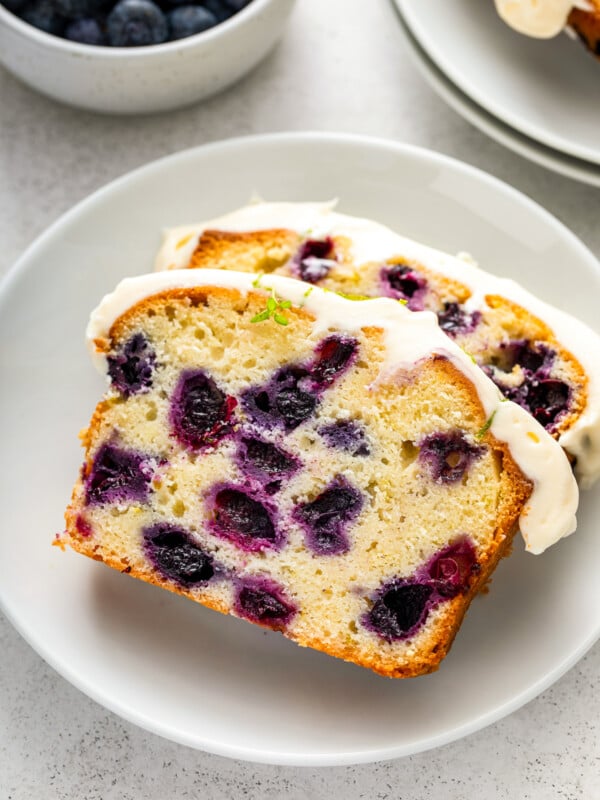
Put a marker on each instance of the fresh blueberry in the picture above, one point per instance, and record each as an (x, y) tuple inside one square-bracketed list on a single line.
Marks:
[(332, 356), (135, 23), (42, 14), (78, 9), (454, 320), (131, 368), (236, 5), (218, 8), (187, 20), (201, 413), (346, 435), (14, 5), (325, 517), (242, 519), (403, 282), (399, 609), (118, 475), (89, 31), (263, 601), (448, 455), (175, 554)]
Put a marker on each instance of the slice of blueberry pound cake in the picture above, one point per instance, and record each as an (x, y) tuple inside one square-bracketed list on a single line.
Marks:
[(335, 470), (540, 357)]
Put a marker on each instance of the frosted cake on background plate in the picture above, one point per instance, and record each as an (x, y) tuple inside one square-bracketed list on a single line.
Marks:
[(544, 19), (540, 357)]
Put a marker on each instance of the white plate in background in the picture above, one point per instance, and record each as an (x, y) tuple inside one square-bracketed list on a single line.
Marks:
[(188, 673), (575, 168), (547, 89)]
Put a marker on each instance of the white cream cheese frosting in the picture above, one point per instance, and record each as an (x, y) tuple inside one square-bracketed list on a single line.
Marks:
[(371, 242), (410, 336), (541, 19)]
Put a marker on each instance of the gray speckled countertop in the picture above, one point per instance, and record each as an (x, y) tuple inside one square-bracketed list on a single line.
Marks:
[(55, 743)]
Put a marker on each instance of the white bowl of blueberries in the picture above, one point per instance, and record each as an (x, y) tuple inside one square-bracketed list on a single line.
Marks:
[(136, 56)]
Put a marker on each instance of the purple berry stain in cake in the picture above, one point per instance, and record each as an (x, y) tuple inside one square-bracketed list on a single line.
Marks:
[(534, 358), (454, 320), (242, 519), (333, 356), (546, 400), (286, 399), (263, 601), (292, 395), (201, 413), (347, 435), (265, 462), (544, 397), (448, 455), (131, 368), (118, 475), (83, 527), (174, 554), (325, 519), (401, 605), (451, 569), (314, 260), (403, 282)]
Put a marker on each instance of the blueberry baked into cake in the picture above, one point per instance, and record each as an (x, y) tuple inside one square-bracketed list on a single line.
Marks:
[(540, 357), (339, 471)]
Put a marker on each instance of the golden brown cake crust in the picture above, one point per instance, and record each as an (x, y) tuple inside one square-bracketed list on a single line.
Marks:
[(262, 251)]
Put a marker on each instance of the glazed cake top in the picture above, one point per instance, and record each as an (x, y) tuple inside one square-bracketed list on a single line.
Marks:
[(548, 515), (372, 242)]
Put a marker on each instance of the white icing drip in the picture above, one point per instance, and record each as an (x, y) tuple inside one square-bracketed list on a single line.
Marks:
[(373, 242), (541, 19), (550, 512)]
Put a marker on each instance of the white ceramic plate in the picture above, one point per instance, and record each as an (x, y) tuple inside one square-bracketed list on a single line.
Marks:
[(188, 673), (548, 90), (575, 168)]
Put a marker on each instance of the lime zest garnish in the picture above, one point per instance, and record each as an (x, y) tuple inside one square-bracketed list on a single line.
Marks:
[(485, 428), (273, 310), (261, 317), (354, 296)]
